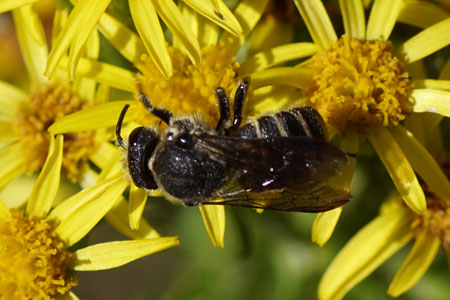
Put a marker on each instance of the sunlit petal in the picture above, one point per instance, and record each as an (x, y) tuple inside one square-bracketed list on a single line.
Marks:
[(33, 45), (247, 13), (367, 250), (181, 30), (224, 17), (426, 42), (275, 56), (214, 218), (325, 222), (269, 34), (7, 5), (382, 19), (95, 117), (12, 162), (118, 217), (77, 215), (11, 98), (422, 162), (123, 39), (399, 169), (150, 31), (319, 24), (296, 77), (354, 19), (136, 204), (429, 100), (47, 184), (432, 84), (419, 259), (111, 75), (82, 20), (421, 13), (114, 254)]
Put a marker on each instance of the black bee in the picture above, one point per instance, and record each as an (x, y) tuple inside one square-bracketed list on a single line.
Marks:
[(280, 161)]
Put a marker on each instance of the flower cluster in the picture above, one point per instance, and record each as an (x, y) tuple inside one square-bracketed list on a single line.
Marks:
[(85, 61)]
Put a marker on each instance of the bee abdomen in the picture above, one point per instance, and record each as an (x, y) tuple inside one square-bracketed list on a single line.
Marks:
[(300, 121)]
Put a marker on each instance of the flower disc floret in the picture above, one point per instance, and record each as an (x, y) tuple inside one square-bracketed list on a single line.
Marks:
[(33, 260), (191, 88), (358, 85), (43, 108)]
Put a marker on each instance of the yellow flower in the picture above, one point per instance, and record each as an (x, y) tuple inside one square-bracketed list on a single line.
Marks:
[(363, 89), (384, 236), (35, 262), (190, 89), (86, 15), (26, 115)]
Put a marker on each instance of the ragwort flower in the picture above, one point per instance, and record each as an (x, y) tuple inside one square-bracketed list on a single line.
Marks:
[(35, 261), (362, 88), (26, 115), (395, 226), (86, 15), (189, 90)]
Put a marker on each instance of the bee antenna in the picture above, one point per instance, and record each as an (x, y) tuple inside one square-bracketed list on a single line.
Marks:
[(119, 126)]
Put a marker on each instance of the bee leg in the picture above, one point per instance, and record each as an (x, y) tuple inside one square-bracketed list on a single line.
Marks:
[(224, 108), (161, 113), (239, 99)]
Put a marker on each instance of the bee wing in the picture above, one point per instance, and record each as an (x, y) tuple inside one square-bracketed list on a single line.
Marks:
[(287, 159), (322, 199)]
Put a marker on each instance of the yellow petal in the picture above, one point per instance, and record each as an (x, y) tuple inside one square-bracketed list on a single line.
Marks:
[(77, 215), (11, 98), (7, 132), (222, 17), (207, 32), (422, 162), (382, 19), (47, 184), (296, 77), (319, 24), (421, 13), (399, 169), (273, 98), (247, 13), (111, 75), (419, 259), (432, 84), (123, 39), (325, 222), (82, 20), (275, 56), (136, 204), (323, 226), (59, 19), (32, 43), (69, 296), (214, 218), (429, 100), (118, 217), (7, 5), (4, 211), (181, 30), (104, 152), (269, 34), (426, 42), (365, 252), (115, 254), (95, 117), (12, 162), (353, 16), (150, 31)]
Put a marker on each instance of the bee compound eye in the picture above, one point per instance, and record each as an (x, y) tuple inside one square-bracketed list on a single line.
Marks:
[(185, 140)]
